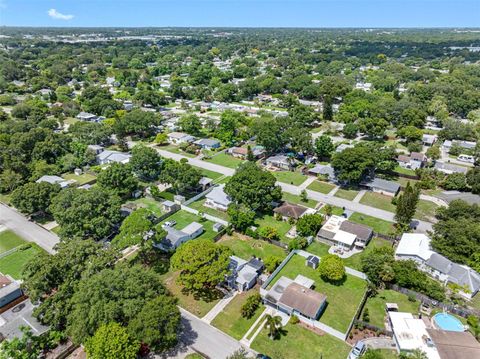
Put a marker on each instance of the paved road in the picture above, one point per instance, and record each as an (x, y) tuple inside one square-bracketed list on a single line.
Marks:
[(204, 338), (421, 226), (26, 229)]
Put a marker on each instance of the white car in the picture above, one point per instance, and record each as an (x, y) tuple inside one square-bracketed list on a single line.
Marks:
[(169, 224), (357, 350)]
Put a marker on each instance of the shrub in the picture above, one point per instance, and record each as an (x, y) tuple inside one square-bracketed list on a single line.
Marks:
[(294, 320), (251, 305), (271, 263), (331, 268), (366, 315)]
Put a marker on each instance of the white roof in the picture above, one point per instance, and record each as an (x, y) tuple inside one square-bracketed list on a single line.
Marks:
[(219, 196), (344, 237), (333, 223), (192, 228), (304, 281), (246, 274), (410, 334), (414, 244)]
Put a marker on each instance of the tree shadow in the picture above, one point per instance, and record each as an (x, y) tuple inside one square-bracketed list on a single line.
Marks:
[(335, 282), (186, 338), (207, 295)]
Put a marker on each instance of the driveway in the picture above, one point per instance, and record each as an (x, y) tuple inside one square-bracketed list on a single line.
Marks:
[(202, 337), (30, 231)]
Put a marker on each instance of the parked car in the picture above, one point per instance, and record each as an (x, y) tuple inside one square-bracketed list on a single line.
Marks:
[(169, 224), (357, 350)]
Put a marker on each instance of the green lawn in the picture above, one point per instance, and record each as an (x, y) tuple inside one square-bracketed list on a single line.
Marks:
[(376, 305), (402, 181), (184, 218), (196, 306), (5, 198), (225, 160), (318, 248), (82, 179), (378, 200), (9, 240), (230, 319), (246, 247), (425, 210), (150, 204), (338, 211), (198, 205), (355, 261), (295, 178), (292, 198), (378, 225), (342, 299), (210, 174), (176, 149), (281, 226), (320, 186), (345, 193), (13, 263), (406, 171), (300, 343)]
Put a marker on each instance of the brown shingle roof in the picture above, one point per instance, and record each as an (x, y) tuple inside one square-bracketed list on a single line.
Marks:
[(362, 232), (290, 210), (455, 345), (303, 300)]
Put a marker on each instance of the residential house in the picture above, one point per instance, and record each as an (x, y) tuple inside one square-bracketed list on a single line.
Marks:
[(449, 168), (325, 171), (414, 161), (295, 297), (206, 143), (55, 180), (107, 157), (175, 237), (414, 246), (280, 162), (97, 149), (217, 198), (244, 273), (169, 206), (364, 86), (342, 147), (205, 183), (382, 186), (10, 290), (242, 152), (177, 138), (455, 345), (289, 210), (467, 145), (429, 140), (90, 117), (339, 231)]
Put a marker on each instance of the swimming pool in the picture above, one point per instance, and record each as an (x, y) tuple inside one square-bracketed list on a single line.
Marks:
[(448, 322)]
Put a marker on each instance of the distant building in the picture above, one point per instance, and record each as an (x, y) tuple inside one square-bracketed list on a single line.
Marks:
[(206, 143), (280, 162), (382, 186), (177, 138), (242, 152), (62, 182), (107, 157), (89, 117), (429, 140)]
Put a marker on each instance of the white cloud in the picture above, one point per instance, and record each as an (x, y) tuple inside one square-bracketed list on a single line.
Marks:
[(54, 14)]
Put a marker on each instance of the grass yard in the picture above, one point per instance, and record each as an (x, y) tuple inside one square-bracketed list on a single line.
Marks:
[(378, 225), (230, 319), (82, 179), (348, 194), (318, 248), (184, 218), (300, 343), (13, 263), (405, 171), (338, 211), (282, 227), (295, 178), (198, 205), (355, 261), (378, 200), (176, 149), (425, 210), (225, 160), (150, 204), (246, 247), (196, 306), (292, 198), (5, 198), (210, 174), (9, 240), (402, 181), (342, 299), (376, 305), (320, 186)]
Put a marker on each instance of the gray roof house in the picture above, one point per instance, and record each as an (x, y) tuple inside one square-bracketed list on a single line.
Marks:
[(90, 117), (382, 186), (469, 145), (217, 198), (280, 161), (179, 137), (326, 171), (429, 140), (55, 180), (450, 168), (108, 156), (9, 290), (207, 143), (175, 237), (243, 274)]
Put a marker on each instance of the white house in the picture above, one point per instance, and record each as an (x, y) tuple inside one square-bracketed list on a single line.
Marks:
[(175, 237), (90, 117), (177, 138), (107, 156), (279, 161), (415, 246), (414, 161), (338, 231), (217, 198), (55, 180)]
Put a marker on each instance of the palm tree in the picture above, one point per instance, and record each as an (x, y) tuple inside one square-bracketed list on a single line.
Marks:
[(273, 324)]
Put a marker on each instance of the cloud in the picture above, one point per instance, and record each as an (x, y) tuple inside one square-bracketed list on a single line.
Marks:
[(54, 14)]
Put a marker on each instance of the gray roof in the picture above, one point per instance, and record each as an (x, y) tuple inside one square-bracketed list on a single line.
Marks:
[(279, 159), (326, 170), (16, 319), (381, 184), (449, 167), (468, 197), (9, 288), (439, 263), (361, 231), (207, 142), (114, 156), (219, 196)]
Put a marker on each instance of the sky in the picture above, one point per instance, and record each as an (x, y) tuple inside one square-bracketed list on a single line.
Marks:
[(241, 13)]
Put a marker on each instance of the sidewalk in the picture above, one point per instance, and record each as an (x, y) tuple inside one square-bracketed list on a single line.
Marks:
[(210, 316)]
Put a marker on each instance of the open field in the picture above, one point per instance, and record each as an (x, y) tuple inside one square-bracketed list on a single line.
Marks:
[(246, 247), (225, 160), (184, 218), (320, 186), (378, 200), (295, 178)]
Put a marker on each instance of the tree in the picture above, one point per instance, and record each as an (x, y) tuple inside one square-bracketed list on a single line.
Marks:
[(117, 294), (407, 205), (9, 180), (136, 122), (327, 109), (268, 233), (309, 225), (182, 176), (230, 121), (433, 153), (86, 214), (146, 162), (161, 138), (133, 229), (157, 324), (239, 354), (474, 325), (30, 346), (118, 178), (410, 133), (455, 182), (372, 354), (353, 164), (251, 305), (90, 133), (271, 263), (240, 216), (373, 127), (378, 265), (190, 124), (324, 147), (111, 341), (473, 179), (202, 264), (34, 197), (273, 324), (253, 187), (331, 268), (350, 130)]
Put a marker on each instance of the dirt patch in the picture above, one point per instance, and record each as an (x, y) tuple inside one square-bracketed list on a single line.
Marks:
[(358, 334)]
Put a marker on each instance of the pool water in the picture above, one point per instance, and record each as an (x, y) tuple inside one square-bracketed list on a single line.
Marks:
[(448, 322)]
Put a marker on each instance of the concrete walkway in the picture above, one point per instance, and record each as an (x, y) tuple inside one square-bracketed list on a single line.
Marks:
[(437, 201), (210, 316), (333, 191), (307, 183), (359, 196), (258, 328), (380, 343)]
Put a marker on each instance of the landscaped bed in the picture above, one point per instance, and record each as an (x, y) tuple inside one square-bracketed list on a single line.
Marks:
[(320, 186), (246, 247), (13, 263), (9, 240), (342, 299), (230, 319), (295, 178), (378, 225), (300, 343)]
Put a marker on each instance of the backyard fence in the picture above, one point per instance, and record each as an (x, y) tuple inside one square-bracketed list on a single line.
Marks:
[(387, 237), (463, 312), (361, 323)]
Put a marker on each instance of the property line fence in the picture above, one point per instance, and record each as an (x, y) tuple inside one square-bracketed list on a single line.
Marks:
[(387, 237), (358, 312), (361, 323), (10, 251)]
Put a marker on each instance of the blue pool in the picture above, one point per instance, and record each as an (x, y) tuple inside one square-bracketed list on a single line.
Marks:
[(448, 322)]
